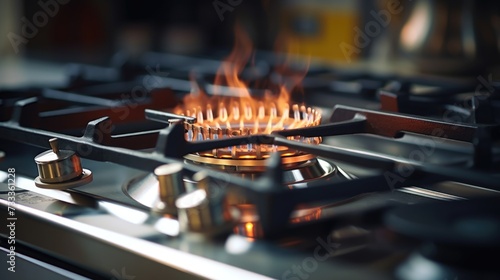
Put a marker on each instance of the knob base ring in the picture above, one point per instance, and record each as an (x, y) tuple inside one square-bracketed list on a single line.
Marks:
[(85, 178)]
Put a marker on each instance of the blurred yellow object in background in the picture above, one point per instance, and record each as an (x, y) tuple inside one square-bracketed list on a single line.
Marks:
[(317, 28)]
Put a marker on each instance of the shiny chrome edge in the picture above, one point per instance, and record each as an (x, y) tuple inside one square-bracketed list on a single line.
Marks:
[(429, 193), (245, 162)]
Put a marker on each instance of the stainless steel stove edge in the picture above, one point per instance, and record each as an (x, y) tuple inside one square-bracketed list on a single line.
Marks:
[(146, 253)]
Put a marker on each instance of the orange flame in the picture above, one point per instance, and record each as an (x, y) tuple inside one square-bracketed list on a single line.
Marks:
[(232, 106)]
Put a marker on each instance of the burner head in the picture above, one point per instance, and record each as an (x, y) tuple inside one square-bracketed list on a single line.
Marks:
[(243, 119)]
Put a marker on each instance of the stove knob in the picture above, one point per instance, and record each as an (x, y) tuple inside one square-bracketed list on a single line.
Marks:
[(171, 186), (55, 166), (215, 190), (60, 169), (204, 211)]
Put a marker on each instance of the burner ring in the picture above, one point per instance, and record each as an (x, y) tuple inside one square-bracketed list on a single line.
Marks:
[(246, 162), (263, 119)]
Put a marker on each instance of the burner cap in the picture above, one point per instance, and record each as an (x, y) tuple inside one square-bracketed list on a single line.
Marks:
[(465, 223)]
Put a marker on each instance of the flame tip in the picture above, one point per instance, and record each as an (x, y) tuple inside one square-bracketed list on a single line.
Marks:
[(233, 106)]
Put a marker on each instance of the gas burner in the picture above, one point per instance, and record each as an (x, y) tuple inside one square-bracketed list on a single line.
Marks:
[(248, 160), (247, 117)]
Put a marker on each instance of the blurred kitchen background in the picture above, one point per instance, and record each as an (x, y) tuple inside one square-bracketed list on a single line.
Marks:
[(434, 37)]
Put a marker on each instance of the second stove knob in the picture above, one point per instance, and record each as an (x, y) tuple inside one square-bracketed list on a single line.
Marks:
[(171, 186)]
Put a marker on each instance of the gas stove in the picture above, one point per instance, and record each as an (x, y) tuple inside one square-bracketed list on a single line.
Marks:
[(359, 175)]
